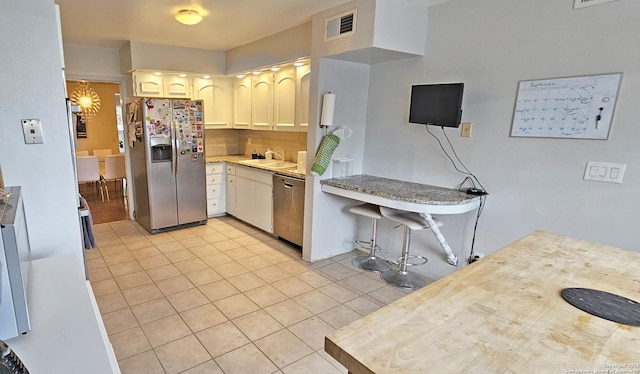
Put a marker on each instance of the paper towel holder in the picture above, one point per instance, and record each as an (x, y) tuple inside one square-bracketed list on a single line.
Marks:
[(326, 113)]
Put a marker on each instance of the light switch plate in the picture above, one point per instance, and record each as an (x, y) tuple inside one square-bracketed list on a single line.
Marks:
[(604, 172), (465, 132), (32, 129)]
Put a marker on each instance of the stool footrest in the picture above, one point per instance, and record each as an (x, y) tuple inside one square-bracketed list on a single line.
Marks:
[(365, 246), (422, 260)]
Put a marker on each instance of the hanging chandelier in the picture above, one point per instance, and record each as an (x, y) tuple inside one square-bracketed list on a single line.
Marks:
[(87, 99)]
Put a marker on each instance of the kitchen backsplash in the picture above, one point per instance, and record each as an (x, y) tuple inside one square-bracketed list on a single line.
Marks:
[(221, 142), (232, 142)]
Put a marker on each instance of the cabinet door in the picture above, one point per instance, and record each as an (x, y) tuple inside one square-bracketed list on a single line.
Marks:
[(216, 94), (284, 100), (176, 86), (222, 103), (262, 102), (231, 194), (263, 206), (147, 84), (303, 77), (203, 90), (242, 103), (244, 199)]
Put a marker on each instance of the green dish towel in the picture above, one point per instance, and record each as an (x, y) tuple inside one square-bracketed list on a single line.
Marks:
[(328, 144)]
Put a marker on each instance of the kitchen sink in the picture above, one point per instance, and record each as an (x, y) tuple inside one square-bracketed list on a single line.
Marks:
[(270, 164)]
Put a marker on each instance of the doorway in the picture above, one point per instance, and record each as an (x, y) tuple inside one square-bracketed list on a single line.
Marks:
[(100, 134)]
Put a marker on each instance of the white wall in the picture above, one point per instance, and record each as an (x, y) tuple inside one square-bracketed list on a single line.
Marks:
[(91, 62), (384, 30), (165, 57), (534, 183), (33, 87), (329, 227), (274, 49)]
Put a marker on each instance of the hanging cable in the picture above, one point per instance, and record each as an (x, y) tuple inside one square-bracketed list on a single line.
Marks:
[(471, 178), (460, 161)]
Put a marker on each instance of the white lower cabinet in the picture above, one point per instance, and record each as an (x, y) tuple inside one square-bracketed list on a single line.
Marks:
[(254, 197), (215, 189), (231, 189)]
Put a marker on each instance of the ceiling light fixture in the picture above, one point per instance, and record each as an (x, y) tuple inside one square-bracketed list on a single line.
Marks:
[(188, 17), (87, 99)]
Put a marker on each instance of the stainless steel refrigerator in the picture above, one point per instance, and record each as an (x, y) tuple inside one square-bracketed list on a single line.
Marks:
[(168, 164)]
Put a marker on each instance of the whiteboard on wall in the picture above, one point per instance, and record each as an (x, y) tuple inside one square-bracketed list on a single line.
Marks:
[(574, 107)]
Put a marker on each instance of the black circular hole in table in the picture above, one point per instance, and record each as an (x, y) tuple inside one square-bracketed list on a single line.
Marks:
[(604, 305)]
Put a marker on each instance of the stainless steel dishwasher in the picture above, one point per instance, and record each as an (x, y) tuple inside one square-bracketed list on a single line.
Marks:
[(288, 208)]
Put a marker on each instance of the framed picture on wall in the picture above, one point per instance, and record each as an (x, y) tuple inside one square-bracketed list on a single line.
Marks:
[(81, 128)]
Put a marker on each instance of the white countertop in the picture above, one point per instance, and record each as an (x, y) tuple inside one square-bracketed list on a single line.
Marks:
[(235, 159), (67, 335)]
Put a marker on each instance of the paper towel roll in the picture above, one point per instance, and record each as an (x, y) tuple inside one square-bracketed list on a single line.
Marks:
[(302, 162), (328, 105)]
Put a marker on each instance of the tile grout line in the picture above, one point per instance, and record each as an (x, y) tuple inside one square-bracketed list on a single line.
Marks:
[(295, 275)]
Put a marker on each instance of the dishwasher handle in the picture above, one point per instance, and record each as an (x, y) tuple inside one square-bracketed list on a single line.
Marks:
[(287, 184)]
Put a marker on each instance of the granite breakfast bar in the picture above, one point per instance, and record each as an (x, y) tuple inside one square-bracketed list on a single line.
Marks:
[(410, 196)]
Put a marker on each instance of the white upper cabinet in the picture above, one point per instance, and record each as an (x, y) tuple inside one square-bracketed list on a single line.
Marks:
[(147, 84), (303, 85), (217, 97), (280, 101), (176, 86), (150, 84), (284, 100), (262, 102), (242, 103), (269, 101)]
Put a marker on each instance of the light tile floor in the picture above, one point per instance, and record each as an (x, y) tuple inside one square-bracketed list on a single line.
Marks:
[(223, 298)]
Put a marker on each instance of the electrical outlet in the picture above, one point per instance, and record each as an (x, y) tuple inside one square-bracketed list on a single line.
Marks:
[(466, 130), (249, 141), (32, 129), (476, 256)]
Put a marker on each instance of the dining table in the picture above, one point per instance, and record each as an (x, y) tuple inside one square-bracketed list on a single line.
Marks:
[(507, 313)]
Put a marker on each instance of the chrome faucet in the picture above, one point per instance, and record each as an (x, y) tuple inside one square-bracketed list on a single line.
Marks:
[(280, 153)]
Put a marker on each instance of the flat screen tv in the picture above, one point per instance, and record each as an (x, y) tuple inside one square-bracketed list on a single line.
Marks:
[(436, 104)]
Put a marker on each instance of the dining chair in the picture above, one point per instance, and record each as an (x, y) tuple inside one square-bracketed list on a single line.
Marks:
[(114, 169), (101, 153), (82, 153), (89, 172)]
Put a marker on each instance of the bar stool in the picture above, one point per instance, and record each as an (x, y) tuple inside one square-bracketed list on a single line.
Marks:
[(411, 221), (371, 262)]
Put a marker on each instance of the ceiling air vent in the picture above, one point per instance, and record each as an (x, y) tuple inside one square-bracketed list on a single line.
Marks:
[(585, 3), (340, 26)]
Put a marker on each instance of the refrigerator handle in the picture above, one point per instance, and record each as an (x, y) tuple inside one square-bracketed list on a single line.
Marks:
[(174, 146)]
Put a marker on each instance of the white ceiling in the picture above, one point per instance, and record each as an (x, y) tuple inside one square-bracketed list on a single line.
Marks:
[(227, 23)]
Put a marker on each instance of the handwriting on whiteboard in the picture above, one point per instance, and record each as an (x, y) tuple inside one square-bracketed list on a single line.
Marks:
[(576, 107)]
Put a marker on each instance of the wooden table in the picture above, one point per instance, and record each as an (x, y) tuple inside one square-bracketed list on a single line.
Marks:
[(503, 314), (404, 195)]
